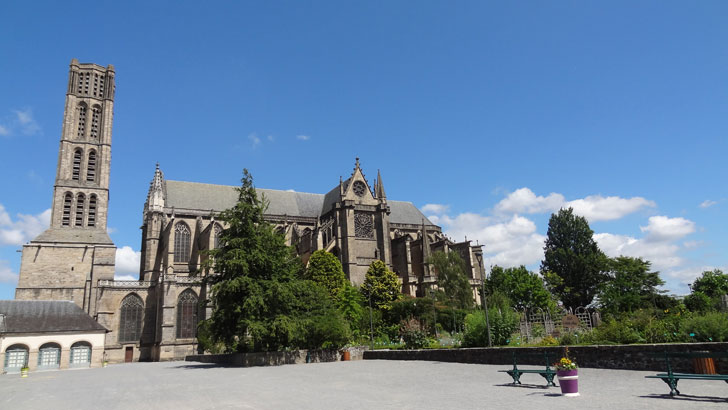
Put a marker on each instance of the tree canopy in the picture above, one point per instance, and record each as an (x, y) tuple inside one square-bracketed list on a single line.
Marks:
[(712, 283), (451, 278), (524, 288), (325, 269), (260, 302), (630, 286), (382, 284), (573, 266)]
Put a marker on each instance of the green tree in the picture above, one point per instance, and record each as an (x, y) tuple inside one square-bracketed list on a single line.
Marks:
[(573, 266), (631, 286), (451, 278), (325, 268), (260, 302), (524, 288), (382, 284), (712, 283)]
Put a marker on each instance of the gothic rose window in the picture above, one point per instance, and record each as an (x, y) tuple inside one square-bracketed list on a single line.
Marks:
[(359, 188), (363, 225)]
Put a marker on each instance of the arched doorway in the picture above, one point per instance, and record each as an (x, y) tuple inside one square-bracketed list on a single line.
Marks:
[(80, 354), (16, 357), (49, 356)]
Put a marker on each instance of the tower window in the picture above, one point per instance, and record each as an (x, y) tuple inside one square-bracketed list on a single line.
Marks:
[(218, 232), (81, 121), (102, 79), (67, 201), (80, 202), (91, 166), (95, 117), (91, 211), (96, 84), (187, 314), (181, 242), (77, 165)]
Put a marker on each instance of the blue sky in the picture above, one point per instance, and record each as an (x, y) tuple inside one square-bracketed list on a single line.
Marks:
[(486, 115)]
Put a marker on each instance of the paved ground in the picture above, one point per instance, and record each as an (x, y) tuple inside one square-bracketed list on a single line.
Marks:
[(371, 384)]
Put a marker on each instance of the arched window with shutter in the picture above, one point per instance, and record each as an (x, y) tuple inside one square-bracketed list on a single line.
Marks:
[(187, 315), (81, 118), (181, 242), (130, 319), (91, 211), (95, 121), (80, 204), (91, 166), (67, 204), (76, 172)]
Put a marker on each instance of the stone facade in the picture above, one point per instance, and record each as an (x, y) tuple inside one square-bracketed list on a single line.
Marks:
[(153, 318)]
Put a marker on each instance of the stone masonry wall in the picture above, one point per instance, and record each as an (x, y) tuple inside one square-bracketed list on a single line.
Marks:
[(628, 357)]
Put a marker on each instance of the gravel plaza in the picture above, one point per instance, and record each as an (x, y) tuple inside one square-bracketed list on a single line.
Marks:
[(363, 384)]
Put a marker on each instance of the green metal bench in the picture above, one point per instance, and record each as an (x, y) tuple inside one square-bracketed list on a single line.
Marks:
[(547, 373), (671, 378)]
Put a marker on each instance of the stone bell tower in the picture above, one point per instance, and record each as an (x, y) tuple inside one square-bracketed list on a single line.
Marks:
[(66, 261)]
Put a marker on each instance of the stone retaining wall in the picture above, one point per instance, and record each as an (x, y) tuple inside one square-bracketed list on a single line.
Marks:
[(632, 357), (277, 358)]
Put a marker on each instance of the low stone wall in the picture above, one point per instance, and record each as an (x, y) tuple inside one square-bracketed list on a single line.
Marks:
[(277, 358), (631, 357)]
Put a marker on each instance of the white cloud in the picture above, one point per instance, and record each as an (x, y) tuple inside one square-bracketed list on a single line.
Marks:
[(303, 137), (254, 139), (6, 274), (705, 204), (28, 125), (662, 255), (270, 138), (25, 228), (4, 131), (435, 209), (599, 208), (127, 263), (523, 200), (593, 207), (662, 228)]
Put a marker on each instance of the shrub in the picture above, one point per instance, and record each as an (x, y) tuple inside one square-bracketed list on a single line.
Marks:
[(413, 335), (711, 327)]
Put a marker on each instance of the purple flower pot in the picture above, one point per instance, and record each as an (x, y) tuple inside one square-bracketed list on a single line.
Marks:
[(569, 382)]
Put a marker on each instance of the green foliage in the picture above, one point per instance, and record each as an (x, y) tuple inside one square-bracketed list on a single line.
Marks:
[(325, 268), (710, 327), (413, 334), (631, 286), (451, 278), (475, 335), (503, 323), (573, 265), (382, 285), (351, 306), (260, 302), (524, 288), (712, 283), (699, 302)]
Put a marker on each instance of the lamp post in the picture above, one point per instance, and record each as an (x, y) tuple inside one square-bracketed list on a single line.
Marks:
[(484, 301)]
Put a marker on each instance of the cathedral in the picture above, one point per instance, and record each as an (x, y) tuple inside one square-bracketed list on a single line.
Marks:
[(155, 317)]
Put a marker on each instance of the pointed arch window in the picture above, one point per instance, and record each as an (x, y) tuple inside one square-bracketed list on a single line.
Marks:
[(216, 239), (91, 211), (181, 242), (130, 319), (76, 172), (67, 203), (80, 204), (81, 130), (91, 166), (187, 315), (95, 119)]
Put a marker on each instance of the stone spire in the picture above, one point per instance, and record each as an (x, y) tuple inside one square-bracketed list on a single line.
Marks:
[(157, 192), (379, 187)]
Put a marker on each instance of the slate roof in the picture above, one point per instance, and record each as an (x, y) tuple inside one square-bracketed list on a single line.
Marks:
[(47, 316), (198, 196)]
